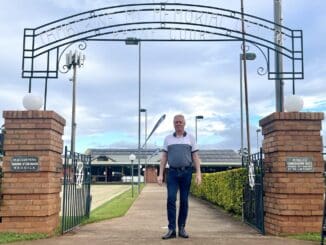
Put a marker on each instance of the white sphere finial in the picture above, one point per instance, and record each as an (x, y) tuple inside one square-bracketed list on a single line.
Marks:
[(293, 103), (32, 101)]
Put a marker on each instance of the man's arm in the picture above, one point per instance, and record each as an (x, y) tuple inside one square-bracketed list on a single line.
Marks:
[(164, 159), (195, 157)]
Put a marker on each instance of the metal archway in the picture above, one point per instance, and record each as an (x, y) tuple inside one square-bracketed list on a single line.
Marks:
[(158, 22), (44, 45)]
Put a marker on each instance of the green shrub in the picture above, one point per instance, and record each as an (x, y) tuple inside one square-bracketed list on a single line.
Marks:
[(222, 188)]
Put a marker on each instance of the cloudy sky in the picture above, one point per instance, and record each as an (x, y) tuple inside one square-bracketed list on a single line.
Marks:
[(193, 78)]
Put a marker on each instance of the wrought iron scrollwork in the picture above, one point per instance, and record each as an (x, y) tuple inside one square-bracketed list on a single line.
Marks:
[(261, 70), (64, 68)]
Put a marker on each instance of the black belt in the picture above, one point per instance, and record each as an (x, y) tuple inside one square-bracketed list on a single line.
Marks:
[(181, 168)]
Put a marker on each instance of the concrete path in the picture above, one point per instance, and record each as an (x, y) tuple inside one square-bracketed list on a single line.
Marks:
[(145, 223)]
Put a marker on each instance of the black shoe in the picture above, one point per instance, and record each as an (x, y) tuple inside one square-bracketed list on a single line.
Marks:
[(183, 233), (170, 234)]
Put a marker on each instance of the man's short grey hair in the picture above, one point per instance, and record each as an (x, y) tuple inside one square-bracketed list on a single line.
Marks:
[(179, 115)]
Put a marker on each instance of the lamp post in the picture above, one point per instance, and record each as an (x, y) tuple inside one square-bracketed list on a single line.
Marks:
[(72, 61), (145, 142), (197, 118), (132, 158), (135, 41), (248, 56), (257, 131), (278, 57)]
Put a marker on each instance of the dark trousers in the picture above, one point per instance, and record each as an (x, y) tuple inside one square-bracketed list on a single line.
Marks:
[(178, 179)]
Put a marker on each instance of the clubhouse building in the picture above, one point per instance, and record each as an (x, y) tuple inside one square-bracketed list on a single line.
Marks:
[(113, 165)]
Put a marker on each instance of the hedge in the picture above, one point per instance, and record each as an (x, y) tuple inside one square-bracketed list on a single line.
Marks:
[(223, 189)]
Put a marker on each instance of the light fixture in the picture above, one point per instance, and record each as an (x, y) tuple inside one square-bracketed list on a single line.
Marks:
[(32, 101), (248, 56), (293, 103), (131, 41), (132, 158), (199, 117)]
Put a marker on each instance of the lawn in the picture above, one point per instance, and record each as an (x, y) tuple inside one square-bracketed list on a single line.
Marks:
[(116, 207)]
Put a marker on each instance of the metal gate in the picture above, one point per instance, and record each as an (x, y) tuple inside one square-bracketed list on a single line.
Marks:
[(253, 193), (76, 190)]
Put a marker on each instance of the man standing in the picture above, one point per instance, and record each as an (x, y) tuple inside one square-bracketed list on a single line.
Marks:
[(180, 151)]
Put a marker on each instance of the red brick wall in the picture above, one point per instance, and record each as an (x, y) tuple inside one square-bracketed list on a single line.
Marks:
[(293, 200), (151, 175), (31, 201)]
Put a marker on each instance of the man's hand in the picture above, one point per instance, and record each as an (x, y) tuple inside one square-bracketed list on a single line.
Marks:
[(164, 159), (196, 159), (198, 178), (160, 180)]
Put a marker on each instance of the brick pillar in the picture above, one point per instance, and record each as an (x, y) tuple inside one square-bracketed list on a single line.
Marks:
[(31, 197), (151, 174), (293, 180)]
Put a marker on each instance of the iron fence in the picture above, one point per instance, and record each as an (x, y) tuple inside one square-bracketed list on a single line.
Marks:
[(253, 193), (76, 190)]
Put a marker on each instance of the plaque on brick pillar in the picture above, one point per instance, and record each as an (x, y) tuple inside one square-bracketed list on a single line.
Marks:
[(24, 164), (299, 164)]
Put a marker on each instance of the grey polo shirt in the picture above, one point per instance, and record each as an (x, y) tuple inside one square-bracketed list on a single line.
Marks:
[(179, 149)]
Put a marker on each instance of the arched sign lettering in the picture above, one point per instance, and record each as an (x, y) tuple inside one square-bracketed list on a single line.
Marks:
[(43, 45)]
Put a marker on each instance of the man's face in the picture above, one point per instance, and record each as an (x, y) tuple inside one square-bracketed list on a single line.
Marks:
[(179, 123)]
